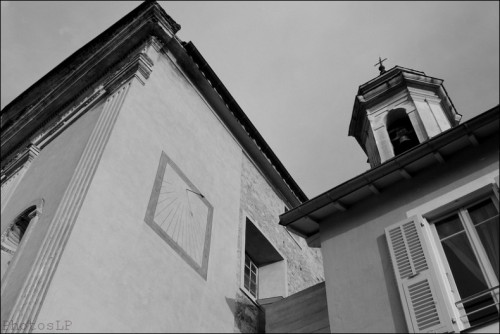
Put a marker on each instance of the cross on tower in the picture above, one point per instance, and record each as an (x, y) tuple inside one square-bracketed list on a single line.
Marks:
[(381, 66)]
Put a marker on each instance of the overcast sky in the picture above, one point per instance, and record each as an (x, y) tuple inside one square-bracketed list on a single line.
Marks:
[(293, 67)]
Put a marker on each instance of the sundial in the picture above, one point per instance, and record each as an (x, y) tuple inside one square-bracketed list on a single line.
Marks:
[(181, 215)]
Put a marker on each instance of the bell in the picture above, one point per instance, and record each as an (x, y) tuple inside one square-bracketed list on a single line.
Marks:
[(404, 139)]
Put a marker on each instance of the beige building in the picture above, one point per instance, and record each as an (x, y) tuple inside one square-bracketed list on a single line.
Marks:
[(411, 245), (138, 197)]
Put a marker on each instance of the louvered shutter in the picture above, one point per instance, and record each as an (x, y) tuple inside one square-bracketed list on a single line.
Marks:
[(420, 295)]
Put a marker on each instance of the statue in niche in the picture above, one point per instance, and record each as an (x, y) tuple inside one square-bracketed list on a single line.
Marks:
[(11, 238)]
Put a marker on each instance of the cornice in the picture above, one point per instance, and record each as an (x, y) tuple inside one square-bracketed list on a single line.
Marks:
[(127, 48), (136, 64), (46, 99), (69, 117), (21, 160)]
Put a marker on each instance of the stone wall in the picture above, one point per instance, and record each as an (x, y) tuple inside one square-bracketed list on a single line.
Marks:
[(261, 204)]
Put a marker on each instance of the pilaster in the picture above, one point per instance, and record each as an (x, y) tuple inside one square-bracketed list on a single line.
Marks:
[(383, 142), (30, 299), (418, 126)]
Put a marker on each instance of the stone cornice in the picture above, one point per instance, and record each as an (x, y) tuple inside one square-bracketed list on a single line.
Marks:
[(128, 49), (136, 65), (22, 159), (69, 117), (52, 94)]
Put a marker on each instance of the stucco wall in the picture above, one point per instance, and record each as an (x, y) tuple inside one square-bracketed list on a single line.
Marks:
[(132, 279), (361, 290), (46, 179)]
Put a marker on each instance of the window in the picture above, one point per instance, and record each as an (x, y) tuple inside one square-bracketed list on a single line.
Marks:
[(251, 275), (469, 247), (264, 269), (446, 262)]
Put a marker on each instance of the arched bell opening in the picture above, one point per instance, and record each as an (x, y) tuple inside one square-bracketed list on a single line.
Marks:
[(401, 131)]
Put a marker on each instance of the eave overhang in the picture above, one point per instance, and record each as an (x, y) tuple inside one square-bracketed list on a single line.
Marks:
[(233, 116), (305, 219), (39, 106)]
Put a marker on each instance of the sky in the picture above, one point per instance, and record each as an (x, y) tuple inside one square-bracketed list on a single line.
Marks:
[(293, 67)]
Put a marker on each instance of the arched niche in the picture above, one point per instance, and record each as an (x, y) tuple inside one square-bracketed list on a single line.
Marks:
[(14, 236)]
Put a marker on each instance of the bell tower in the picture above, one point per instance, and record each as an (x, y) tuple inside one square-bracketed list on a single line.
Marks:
[(398, 110)]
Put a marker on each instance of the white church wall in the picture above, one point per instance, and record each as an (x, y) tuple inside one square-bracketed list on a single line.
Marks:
[(128, 271)]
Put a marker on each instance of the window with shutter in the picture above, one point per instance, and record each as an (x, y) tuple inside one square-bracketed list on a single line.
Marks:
[(421, 297), (468, 243)]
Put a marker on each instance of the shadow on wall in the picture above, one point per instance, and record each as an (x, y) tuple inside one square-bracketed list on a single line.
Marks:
[(248, 318), (396, 308)]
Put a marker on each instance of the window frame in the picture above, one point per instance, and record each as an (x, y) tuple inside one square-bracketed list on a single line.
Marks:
[(263, 281), (249, 291), (460, 209)]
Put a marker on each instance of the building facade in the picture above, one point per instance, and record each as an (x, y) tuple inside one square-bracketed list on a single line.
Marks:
[(412, 244), (138, 197)]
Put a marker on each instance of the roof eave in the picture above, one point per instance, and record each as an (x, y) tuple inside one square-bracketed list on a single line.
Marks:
[(301, 215)]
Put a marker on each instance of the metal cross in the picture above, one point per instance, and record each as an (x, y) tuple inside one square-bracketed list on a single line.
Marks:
[(381, 66)]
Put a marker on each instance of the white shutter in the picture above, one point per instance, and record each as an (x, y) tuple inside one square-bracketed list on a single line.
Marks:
[(417, 282)]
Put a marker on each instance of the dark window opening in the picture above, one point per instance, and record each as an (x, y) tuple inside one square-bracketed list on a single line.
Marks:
[(401, 132), (264, 270), (469, 238)]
